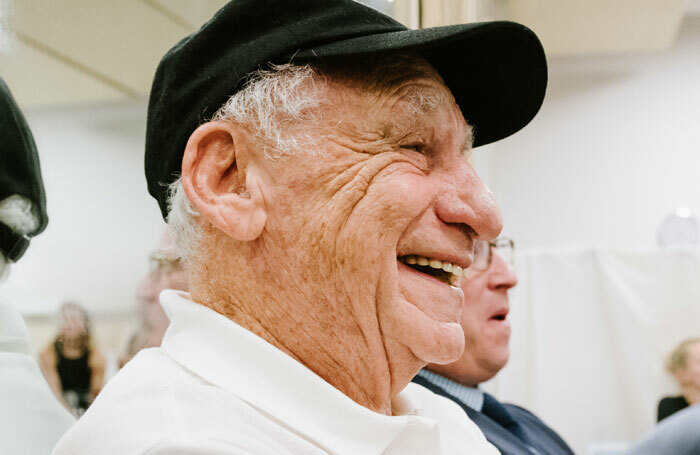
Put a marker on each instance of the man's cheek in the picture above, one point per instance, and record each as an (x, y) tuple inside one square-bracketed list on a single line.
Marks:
[(400, 197), (408, 325), (358, 248)]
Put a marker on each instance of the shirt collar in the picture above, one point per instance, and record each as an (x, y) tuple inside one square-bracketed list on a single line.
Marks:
[(234, 359), (470, 396)]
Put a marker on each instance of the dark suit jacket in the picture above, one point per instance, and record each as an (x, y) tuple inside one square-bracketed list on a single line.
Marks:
[(543, 438)]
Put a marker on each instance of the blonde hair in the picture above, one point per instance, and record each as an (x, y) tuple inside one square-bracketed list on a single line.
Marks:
[(75, 310), (678, 358)]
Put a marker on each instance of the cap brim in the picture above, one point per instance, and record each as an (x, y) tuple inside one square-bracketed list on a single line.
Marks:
[(496, 71)]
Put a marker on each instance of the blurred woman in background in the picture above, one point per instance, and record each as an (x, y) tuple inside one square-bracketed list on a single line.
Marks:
[(72, 365), (684, 364)]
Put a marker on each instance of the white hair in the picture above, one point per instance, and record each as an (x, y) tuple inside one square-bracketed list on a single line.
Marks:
[(186, 230), (7, 37), (273, 100), (270, 103), (17, 212)]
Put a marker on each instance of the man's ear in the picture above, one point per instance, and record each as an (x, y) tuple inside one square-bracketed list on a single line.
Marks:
[(222, 182)]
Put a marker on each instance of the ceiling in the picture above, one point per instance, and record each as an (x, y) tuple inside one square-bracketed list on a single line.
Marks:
[(56, 52), (576, 27), (76, 51)]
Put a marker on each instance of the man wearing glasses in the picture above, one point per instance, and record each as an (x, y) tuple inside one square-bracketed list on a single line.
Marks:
[(512, 429)]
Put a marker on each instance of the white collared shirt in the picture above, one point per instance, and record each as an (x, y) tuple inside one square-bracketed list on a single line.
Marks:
[(215, 388), (31, 418)]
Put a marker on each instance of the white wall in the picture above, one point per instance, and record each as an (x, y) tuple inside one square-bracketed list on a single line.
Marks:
[(102, 222), (615, 148)]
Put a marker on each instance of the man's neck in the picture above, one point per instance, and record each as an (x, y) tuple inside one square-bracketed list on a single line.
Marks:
[(459, 375), (340, 356)]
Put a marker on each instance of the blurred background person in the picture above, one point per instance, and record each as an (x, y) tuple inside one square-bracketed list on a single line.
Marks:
[(166, 272), (684, 365), (31, 419), (72, 365), (512, 429)]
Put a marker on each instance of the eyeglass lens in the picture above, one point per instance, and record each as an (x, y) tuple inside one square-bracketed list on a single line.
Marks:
[(481, 255), (504, 248), (483, 252)]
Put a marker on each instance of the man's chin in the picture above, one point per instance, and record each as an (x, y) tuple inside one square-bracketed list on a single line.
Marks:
[(418, 326), (431, 313), (428, 340), (441, 344)]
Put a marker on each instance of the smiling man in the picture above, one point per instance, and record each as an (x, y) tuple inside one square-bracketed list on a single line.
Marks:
[(512, 429), (325, 213)]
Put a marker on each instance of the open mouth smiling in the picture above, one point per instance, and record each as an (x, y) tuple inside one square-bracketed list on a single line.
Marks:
[(443, 271)]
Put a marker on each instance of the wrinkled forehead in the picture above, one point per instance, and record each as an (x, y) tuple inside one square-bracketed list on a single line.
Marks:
[(396, 89), (410, 77)]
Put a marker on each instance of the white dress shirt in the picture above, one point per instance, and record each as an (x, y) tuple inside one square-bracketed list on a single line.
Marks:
[(215, 388), (31, 418)]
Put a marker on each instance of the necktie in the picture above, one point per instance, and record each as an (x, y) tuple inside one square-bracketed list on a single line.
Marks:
[(498, 413)]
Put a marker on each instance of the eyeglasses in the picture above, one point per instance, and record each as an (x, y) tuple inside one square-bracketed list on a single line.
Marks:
[(483, 252)]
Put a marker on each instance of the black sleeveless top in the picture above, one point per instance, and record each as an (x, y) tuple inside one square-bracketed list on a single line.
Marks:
[(670, 405), (74, 375)]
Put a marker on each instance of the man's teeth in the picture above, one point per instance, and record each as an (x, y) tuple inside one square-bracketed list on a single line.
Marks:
[(433, 263)]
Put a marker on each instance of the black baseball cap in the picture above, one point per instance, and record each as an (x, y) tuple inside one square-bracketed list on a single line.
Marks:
[(496, 71), (20, 173)]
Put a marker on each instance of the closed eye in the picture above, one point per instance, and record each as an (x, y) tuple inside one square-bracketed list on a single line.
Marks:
[(414, 147)]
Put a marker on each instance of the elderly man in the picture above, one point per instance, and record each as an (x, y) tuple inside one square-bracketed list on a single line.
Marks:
[(335, 152), (512, 429), (31, 419)]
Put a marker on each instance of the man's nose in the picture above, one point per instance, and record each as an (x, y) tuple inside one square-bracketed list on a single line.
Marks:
[(466, 200), (501, 273)]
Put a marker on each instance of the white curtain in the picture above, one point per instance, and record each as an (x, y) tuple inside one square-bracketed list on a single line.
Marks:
[(591, 330)]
